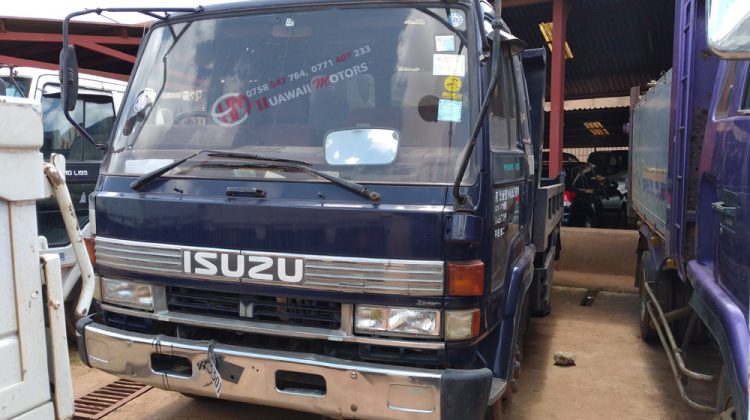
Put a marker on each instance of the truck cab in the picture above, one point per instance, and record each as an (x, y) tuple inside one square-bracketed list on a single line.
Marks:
[(327, 207), (98, 100)]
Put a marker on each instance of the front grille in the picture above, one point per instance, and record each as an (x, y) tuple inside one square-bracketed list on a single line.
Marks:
[(301, 312), (333, 273)]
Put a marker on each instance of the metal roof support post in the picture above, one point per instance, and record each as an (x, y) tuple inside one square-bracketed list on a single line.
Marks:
[(560, 9)]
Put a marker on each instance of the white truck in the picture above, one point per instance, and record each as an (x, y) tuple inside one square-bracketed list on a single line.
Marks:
[(98, 100), (35, 381)]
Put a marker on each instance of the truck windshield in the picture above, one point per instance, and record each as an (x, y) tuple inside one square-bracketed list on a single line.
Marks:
[(293, 85), (13, 84)]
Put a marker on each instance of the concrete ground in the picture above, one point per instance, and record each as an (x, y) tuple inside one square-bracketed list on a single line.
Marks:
[(617, 375)]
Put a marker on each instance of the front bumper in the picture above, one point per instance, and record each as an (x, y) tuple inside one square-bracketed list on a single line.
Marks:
[(352, 389)]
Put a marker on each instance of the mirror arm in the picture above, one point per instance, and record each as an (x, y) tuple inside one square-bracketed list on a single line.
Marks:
[(65, 70), (462, 202), (65, 76)]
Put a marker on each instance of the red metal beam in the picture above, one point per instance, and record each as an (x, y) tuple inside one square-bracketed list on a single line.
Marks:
[(107, 51), (75, 39), (41, 64), (560, 9)]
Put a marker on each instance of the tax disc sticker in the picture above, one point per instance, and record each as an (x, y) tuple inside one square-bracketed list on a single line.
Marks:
[(449, 110), (452, 84), (445, 43), (456, 18)]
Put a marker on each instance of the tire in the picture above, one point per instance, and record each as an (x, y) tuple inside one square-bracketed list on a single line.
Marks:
[(622, 217), (661, 284), (725, 407), (501, 409)]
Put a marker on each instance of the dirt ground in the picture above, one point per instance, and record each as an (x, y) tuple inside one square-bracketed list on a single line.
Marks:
[(617, 375)]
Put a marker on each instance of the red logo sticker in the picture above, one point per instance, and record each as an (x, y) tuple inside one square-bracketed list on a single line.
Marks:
[(231, 109)]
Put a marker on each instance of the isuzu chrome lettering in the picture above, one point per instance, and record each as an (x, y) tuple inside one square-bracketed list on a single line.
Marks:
[(243, 266)]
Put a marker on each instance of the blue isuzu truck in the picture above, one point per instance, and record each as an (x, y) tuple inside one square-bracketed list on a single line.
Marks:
[(334, 207)]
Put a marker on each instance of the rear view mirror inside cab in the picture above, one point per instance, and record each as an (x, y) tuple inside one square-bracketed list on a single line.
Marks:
[(288, 28)]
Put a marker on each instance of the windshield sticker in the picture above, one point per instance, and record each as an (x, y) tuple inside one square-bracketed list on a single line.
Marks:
[(414, 22), (445, 43), (448, 65), (302, 74), (231, 109), (452, 85), (289, 22), (452, 96), (456, 18), (449, 110)]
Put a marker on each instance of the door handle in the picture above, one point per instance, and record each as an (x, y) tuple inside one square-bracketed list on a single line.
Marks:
[(726, 211)]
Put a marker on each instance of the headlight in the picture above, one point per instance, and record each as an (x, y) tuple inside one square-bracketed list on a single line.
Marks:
[(126, 293), (397, 321)]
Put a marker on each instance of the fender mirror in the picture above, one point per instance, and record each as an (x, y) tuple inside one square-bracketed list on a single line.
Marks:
[(728, 28), (69, 76)]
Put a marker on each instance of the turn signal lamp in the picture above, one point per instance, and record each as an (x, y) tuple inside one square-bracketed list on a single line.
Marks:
[(90, 243), (466, 278)]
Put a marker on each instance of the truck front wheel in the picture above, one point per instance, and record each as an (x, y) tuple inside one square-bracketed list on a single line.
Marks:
[(501, 408), (724, 401)]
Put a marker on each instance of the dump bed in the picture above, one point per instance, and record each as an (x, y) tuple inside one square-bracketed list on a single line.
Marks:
[(649, 147)]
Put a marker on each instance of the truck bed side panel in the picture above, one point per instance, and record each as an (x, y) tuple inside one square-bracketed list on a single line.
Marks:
[(649, 147)]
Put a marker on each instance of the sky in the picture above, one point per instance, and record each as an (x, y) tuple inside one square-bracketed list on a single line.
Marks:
[(51, 9)]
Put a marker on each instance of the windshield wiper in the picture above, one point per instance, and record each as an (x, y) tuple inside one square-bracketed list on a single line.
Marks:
[(279, 163), (304, 167), (144, 179)]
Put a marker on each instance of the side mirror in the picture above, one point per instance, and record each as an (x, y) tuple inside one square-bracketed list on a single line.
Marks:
[(69, 77), (517, 46), (728, 28)]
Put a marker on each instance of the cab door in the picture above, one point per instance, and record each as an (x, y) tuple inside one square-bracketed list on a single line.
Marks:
[(731, 207)]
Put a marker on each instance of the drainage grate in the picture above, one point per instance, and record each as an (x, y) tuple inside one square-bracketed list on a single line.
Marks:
[(103, 401), (589, 297)]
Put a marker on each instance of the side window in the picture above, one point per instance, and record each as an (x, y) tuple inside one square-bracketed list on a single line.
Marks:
[(523, 104), (746, 97), (95, 113), (503, 124), (727, 86)]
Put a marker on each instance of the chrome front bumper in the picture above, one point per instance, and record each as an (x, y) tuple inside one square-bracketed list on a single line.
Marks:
[(352, 389)]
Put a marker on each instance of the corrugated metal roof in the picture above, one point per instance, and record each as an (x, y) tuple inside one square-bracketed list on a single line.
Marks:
[(575, 134), (616, 44)]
